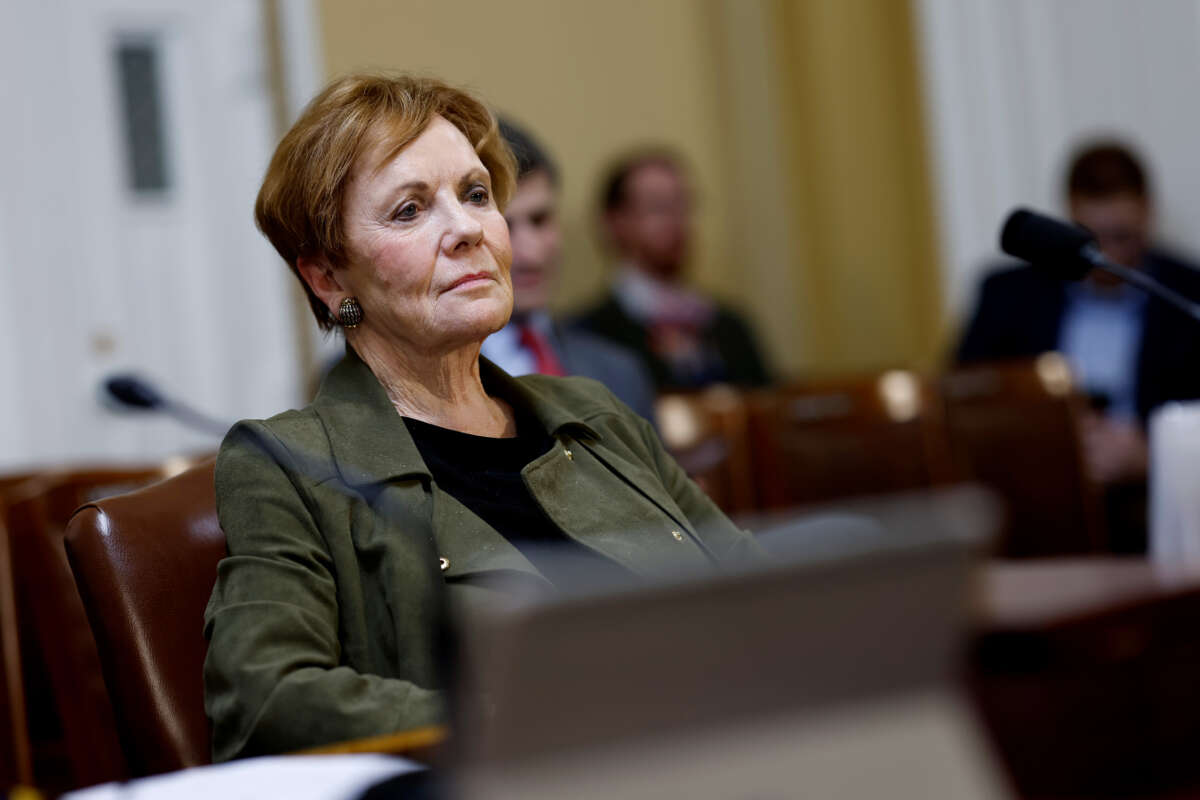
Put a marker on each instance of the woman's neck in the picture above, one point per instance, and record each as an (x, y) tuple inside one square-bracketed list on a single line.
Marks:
[(442, 388)]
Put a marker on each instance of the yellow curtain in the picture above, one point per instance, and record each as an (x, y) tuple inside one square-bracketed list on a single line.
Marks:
[(850, 108)]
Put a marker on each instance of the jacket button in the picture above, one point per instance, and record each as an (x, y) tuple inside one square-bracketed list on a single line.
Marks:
[(678, 536), (444, 563), (569, 454)]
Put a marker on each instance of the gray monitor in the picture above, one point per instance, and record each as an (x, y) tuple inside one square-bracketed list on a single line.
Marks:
[(827, 672)]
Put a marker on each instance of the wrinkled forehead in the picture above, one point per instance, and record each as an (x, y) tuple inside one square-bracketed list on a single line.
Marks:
[(438, 153)]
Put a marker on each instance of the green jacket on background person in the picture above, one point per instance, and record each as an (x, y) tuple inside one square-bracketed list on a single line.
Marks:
[(346, 561)]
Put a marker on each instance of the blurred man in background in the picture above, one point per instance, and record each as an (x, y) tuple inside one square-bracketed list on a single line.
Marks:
[(687, 340), (533, 341), (1130, 352)]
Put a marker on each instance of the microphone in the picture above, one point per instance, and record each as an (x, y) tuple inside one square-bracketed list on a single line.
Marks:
[(1070, 252), (134, 392), (137, 393)]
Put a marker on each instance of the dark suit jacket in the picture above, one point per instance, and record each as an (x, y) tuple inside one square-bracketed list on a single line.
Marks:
[(728, 334), (1019, 314), (619, 369)]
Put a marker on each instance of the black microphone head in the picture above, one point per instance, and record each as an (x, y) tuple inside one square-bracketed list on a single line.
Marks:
[(133, 391), (1051, 245)]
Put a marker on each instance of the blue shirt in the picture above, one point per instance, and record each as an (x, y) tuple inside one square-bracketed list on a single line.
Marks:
[(1101, 337), (504, 348)]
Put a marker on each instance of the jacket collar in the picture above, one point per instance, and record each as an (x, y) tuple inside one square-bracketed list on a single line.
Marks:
[(370, 442)]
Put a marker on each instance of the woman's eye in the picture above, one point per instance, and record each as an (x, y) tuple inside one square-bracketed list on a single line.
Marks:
[(406, 211), (478, 195)]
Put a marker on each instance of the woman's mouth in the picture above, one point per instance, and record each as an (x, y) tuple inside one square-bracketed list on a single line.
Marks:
[(468, 280)]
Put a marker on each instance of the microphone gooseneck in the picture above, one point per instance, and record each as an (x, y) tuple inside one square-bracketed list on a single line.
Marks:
[(1070, 252), (138, 393)]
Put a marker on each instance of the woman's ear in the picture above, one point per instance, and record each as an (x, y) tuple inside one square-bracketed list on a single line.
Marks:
[(322, 279)]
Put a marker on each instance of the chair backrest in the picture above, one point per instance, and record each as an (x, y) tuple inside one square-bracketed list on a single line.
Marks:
[(16, 766), (1014, 427), (145, 563), (869, 435), (707, 433), (68, 712), (11, 480)]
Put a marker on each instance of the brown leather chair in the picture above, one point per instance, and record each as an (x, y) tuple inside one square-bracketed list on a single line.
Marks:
[(16, 766), (145, 563), (707, 434), (68, 713), (815, 442), (1014, 428), (11, 480)]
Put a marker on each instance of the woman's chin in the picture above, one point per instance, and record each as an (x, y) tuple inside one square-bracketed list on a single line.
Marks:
[(473, 328), (488, 314)]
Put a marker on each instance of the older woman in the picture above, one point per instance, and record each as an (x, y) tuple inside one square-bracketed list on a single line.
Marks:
[(358, 525)]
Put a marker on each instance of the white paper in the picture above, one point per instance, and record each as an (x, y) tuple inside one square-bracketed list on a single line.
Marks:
[(333, 777)]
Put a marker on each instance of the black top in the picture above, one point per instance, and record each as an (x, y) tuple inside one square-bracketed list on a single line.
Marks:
[(484, 474)]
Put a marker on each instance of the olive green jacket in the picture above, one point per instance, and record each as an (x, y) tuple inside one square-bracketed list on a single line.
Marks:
[(344, 555)]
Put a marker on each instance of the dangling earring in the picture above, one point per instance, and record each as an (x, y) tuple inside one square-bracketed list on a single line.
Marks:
[(350, 313)]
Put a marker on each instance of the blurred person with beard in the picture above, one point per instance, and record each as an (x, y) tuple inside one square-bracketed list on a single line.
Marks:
[(686, 339), (1129, 352), (533, 341)]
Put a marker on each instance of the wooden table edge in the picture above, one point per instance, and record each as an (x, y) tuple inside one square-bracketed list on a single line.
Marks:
[(400, 743)]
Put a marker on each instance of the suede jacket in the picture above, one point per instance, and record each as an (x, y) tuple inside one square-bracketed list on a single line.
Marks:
[(347, 562)]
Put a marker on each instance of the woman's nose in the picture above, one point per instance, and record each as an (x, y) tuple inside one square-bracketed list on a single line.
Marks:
[(464, 229)]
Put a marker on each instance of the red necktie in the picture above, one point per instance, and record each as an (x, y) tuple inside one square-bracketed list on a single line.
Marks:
[(543, 354)]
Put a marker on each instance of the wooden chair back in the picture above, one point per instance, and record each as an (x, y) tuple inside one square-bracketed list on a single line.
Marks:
[(815, 442), (1014, 427), (708, 434)]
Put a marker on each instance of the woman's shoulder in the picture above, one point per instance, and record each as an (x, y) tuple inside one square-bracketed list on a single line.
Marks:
[(293, 441)]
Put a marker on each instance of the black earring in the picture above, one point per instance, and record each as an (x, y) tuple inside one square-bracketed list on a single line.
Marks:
[(350, 313)]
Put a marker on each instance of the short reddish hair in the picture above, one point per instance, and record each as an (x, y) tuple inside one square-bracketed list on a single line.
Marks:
[(299, 206)]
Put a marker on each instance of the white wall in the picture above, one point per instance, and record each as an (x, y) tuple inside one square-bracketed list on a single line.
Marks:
[(1013, 85), (95, 279)]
